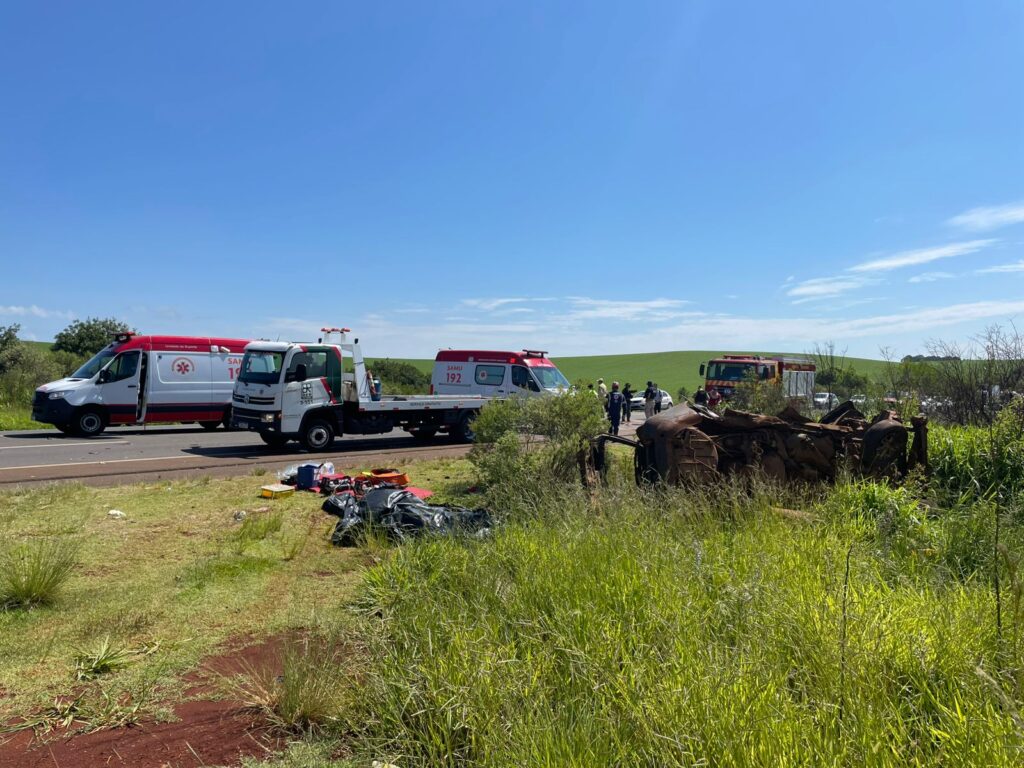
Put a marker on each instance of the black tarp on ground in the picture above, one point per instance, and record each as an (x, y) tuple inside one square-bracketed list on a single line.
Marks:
[(399, 514)]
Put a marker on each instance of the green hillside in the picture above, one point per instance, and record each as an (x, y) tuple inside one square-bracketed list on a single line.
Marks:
[(671, 370)]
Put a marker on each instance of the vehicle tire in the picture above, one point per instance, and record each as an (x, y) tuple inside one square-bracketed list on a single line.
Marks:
[(423, 434), (273, 439), (209, 426), (317, 435), (226, 421), (463, 431), (89, 422)]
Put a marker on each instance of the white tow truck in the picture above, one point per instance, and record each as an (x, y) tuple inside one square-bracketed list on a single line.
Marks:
[(316, 392)]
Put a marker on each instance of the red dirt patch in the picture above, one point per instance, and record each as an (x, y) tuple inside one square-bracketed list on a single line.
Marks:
[(206, 733), (209, 733)]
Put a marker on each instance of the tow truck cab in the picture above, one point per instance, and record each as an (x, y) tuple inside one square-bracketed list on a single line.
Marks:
[(144, 380), (495, 374)]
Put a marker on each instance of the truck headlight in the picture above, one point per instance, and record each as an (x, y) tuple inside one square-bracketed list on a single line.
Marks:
[(268, 417), (58, 395)]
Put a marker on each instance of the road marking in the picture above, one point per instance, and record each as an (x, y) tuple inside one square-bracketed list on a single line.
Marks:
[(224, 462), (64, 445)]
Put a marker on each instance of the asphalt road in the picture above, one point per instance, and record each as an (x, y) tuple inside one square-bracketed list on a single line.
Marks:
[(134, 454)]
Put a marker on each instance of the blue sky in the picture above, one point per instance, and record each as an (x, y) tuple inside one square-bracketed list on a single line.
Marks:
[(588, 178)]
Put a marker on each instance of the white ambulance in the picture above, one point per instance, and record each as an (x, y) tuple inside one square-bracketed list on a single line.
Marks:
[(145, 380), (495, 374)]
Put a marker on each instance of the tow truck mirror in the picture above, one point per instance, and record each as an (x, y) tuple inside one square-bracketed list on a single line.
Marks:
[(702, 369), (298, 374)]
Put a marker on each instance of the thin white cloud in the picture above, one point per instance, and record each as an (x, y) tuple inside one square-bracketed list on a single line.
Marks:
[(987, 218), (34, 311), (583, 308), (1017, 266), (490, 304), (921, 256), (931, 277), (825, 288)]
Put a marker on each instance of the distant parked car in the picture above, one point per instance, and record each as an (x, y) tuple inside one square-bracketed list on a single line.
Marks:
[(637, 402), (825, 401), (859, 399)]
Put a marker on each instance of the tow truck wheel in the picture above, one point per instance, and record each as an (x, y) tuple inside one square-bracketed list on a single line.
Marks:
[(89, 423), (463, 431), (317, 435), (273, 440), (423, 434)]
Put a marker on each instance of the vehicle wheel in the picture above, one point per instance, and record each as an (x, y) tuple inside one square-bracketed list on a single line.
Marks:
[(463, 431), (317, 435), (423, 434), (226, 421), (273, 439), (89, 423), (209, 426)]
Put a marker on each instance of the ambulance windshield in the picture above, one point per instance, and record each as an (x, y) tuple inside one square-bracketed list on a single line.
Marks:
[(550, 377), (93, 366)]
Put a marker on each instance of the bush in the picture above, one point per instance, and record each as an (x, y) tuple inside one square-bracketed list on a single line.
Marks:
[(33, 573), (401, 378), (512, 463), (89, 336)]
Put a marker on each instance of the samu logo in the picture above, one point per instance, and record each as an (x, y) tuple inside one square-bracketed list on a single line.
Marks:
[(306, 396), (183, 366)]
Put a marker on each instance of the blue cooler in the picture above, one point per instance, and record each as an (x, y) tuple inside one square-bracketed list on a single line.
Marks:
[(306, 477)]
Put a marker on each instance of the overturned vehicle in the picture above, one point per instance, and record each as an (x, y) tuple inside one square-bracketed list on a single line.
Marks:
[(688, 444)]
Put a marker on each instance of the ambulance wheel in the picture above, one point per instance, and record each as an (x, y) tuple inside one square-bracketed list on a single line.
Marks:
[(89, 422), (423, 434), (463, 431), (317, 435), (273, 440), (209, 426)]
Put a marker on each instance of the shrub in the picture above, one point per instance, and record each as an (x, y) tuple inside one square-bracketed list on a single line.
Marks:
[(510, 461), (33, 573), (401, 378), (89, 336)]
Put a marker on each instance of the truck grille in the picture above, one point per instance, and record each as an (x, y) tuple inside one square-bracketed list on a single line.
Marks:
[(253, 400)]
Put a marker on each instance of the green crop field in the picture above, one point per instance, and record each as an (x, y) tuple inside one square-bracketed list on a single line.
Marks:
[(671, 370)]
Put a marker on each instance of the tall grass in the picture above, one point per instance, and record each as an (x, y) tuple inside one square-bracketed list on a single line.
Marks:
[(977, 461), (32, 573), (308, 692), (687, 629)]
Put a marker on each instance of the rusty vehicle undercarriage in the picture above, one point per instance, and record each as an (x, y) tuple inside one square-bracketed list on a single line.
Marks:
[(692, 444)]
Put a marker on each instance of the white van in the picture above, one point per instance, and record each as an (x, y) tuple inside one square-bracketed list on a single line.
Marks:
[(145, 380), (495, 374)]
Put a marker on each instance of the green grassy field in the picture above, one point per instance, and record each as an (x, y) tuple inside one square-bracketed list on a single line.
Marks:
[(671, 370)]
